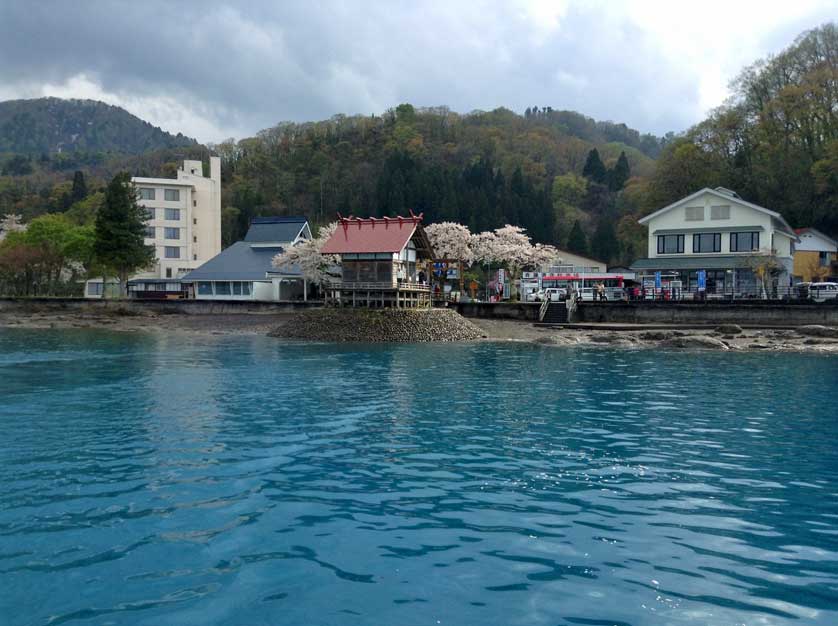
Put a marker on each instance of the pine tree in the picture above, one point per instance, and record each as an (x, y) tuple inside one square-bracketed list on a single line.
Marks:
[(620, 174), (79, 191), (120, 232), (595, 168), (604, 245), (576, 240)]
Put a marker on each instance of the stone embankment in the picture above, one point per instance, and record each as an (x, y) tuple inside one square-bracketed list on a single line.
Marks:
[(384, 325)]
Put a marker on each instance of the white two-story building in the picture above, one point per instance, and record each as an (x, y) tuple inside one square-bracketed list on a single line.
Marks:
[(719, 233), (184, 226)]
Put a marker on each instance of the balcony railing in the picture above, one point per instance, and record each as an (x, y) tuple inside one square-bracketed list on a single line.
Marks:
[(378, 286)]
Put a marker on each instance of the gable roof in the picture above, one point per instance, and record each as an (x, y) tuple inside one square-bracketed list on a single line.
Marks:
[(376, 235), (730, 196), (817, 233), (241, 261), (275, 229)]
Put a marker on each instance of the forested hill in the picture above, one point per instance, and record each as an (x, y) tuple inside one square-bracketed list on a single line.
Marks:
[(482, 169), (50, 125)]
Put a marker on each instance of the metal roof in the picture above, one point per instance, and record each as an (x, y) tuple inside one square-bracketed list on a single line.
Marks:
[(374, 235), (241, 261), (275, 229)]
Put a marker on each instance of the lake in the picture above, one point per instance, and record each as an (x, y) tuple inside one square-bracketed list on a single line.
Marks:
[(173, 479)]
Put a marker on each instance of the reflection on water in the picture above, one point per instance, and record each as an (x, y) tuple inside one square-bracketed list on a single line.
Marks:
[(167, 480)]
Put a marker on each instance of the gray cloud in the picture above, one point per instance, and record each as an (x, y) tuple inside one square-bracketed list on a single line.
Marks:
[(239, 67)]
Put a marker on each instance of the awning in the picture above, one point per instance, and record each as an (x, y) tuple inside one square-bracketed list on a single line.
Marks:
[(692, 263)]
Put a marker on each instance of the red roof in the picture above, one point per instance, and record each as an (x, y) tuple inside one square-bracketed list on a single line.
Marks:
[(357, 236)]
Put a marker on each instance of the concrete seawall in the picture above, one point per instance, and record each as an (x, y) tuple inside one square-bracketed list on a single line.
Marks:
[(790, 314), (522, 311)]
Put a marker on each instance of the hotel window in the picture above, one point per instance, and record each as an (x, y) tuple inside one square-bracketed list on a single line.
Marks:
[(720, 212), (173, 215), (707, 242), (171, 195), (694, 213), (171, 233), (744, 242), (172, 252), (149, 232), (222, 288), (149, 212), (146, 193), (670, 244), (204, 288)]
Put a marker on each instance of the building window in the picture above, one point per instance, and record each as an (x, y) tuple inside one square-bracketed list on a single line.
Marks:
[(94, 289), (204, 288), (694, 213), (150, 232), (146, 193), (823, 259), (194, 257), (172, 252), (707, 242), (720, 212), (670, 244), (194, 239), (245, 289), (168, 272), (194, 203), (149, 212), (237, 289), (171, 233), (173, 215), (222, 288), (744, 242), (194, 221), (171, 195)]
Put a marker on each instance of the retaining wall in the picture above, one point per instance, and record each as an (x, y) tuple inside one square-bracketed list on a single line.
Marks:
[(523, 311), (791, 314)]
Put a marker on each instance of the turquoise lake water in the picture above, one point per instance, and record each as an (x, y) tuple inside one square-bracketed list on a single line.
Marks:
[(168, 480)]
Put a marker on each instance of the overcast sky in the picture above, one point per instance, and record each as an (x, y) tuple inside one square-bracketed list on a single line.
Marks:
[(213, 69)]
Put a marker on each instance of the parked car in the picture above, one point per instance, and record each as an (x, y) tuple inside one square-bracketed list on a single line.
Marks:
[(822, 292), (554, 294)]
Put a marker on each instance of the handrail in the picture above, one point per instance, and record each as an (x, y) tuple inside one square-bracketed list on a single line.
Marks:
[(372, 286), (542, 311)]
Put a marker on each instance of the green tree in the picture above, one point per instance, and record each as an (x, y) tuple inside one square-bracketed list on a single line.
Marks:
[(79, 190), (620, 174), (604, 244), (120, 232), (576, 241), (594, 168)]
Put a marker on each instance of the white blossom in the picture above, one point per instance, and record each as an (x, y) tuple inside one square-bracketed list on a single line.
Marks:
[(451, 241), (9, 224), (307, 257)]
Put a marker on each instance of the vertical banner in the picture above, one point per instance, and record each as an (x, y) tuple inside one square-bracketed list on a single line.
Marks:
[(657, 280), (702, 280)]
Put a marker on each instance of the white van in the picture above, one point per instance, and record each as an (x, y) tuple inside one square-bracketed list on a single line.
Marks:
[(822, 292)]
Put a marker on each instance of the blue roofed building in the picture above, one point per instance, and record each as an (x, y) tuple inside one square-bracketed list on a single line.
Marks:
[(245, 271)]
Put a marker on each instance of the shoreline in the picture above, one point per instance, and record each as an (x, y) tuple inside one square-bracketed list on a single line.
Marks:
[(811, 339)]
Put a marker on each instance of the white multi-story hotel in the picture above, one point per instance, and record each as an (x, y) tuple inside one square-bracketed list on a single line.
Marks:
[(184, 226), (717, 234)]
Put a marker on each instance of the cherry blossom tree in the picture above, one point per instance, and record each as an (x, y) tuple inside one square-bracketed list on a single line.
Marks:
[(511, 246), (10, 223), (452, 242), (307, 257)]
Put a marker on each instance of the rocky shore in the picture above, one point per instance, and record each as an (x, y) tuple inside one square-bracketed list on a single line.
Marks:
[(725, 337), (375, 326), (439, 325)]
